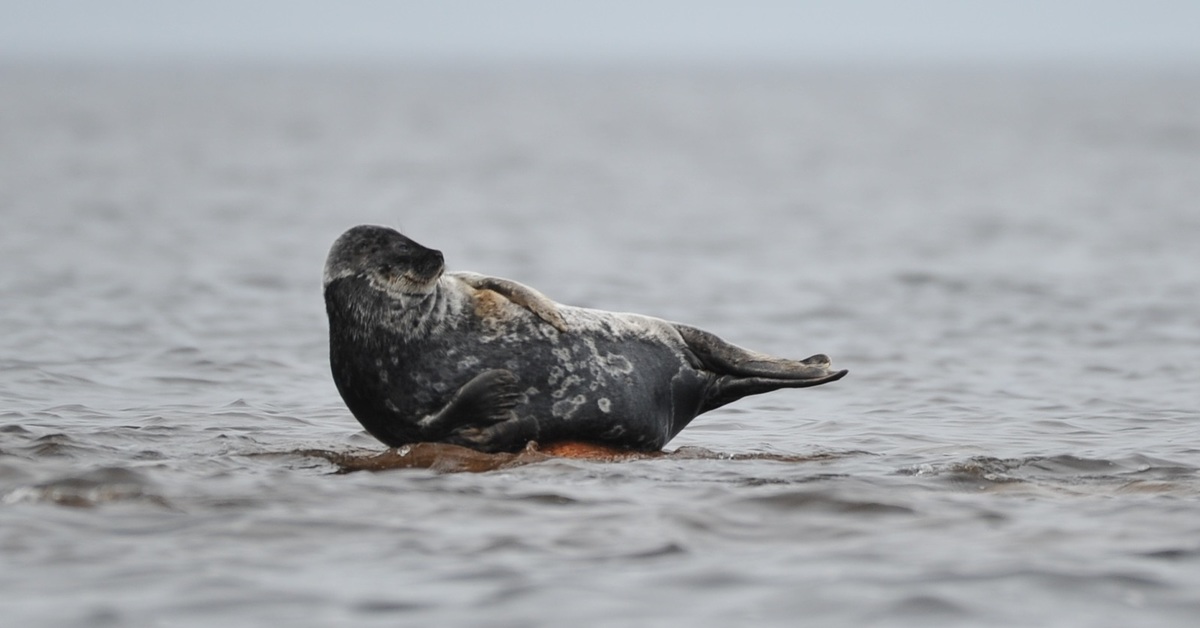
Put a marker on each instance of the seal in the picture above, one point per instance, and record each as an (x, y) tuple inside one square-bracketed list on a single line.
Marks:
[(424, 355)]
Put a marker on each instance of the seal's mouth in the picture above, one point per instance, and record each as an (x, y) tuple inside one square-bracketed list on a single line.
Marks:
[(416, 280), (411, 281)]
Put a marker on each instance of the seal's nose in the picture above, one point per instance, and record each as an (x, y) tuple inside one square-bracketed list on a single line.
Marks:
[(431, 264)]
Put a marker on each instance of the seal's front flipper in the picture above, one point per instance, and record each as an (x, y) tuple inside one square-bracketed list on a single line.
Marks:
[(487, 399), (522, 295)]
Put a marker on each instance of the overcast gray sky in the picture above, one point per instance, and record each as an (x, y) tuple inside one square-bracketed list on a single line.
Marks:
[(1097, 31)]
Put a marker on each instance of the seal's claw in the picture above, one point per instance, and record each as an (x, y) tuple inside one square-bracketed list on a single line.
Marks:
[(498, 396)]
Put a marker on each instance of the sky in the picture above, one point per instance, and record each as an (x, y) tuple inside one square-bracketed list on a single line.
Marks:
[(946, 31)]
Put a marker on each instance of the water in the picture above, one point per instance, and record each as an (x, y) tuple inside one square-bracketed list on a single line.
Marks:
[(1005, 261)]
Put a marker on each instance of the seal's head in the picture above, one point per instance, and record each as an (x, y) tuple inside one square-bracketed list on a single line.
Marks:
[(387, 260)]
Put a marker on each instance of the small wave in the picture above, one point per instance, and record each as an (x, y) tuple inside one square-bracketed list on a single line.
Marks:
[(550, 499), (1174, 553), (105, 485), (54, 445), (1134, 474), (181, 380), (927, 607), (822, 501), (44, 377)]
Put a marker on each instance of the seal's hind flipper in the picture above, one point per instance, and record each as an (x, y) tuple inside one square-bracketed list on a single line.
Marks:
[(724, 358), (738, 372), (729, 388), (487, 399)]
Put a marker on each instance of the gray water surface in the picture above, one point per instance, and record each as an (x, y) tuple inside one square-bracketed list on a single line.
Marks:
[(1005, 261)]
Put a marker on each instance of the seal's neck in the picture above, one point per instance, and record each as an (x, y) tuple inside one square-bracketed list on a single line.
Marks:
[(363, 311), (413, 316)]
